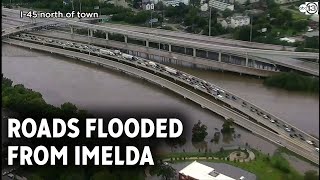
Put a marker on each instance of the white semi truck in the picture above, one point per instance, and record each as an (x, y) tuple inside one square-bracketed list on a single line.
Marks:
[(170, 70), (128, 57), (152, 64), (106, 52)]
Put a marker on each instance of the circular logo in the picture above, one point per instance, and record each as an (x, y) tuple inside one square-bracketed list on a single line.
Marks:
[(303, 8), (312, 8)]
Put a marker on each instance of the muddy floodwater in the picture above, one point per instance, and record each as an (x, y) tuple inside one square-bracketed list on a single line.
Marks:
[(61, 80)]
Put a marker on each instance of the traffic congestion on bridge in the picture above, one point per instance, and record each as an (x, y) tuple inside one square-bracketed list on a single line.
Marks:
[(62, 38), (247, 109)]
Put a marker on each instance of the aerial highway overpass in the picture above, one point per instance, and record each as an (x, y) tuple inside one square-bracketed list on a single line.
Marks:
[(261, 65), (203, 38), (156, 54), (212, 53), (26, 27), (170, 82)]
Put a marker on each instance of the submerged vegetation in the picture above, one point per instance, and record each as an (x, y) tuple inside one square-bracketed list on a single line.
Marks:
[(294, 82)]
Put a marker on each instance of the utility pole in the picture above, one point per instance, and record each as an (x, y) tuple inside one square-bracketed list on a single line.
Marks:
[(151, 19), (72, 5), (151, 8), (210, 22), (250, 28), (80, 6)]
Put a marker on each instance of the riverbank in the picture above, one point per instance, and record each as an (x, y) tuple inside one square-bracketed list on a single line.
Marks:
[(293, 82)]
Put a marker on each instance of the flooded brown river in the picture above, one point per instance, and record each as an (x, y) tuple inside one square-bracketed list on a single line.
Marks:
[(61, 80)]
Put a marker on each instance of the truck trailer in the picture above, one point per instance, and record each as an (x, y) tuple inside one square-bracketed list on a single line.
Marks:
[(106, 52), (152, 64), (170, 70), (128, 57)]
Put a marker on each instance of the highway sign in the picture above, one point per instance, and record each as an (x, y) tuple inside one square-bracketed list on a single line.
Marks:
[(150, 7)]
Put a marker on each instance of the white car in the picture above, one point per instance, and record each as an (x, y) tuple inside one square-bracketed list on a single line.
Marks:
[(220, 97), (317, 149), (272, 121), (287, 129), (309, 142), (11, 176)]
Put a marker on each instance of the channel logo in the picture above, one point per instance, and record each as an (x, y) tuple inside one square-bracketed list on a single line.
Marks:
[(309, 8)]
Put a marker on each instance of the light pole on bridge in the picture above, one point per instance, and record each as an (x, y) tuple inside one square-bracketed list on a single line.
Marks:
[(210, 21), (151, 8)]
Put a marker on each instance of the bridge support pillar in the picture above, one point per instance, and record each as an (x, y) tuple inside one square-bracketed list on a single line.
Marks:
[(194, 52), (219, 59), (126, 39), (247, 59), (71, 29), (107, 35), (207, 54), (169, 47), (147, 43), (91, 33)]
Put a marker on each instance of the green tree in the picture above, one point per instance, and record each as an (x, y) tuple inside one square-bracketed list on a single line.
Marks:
[(103, 175), (311, 175), (227, 126), (312, 42), (69, 108), (199, 132), (242, 33), (195, 3), (72, 175), (166, 172), (280, 163), (176, 141), (227, 13), (35, 177), (300, 25)]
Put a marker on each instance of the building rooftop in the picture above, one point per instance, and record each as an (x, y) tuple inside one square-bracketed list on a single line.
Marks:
[(220, 5), (199, 171)]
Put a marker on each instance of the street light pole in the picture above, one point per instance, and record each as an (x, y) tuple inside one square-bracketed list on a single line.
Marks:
[(210, 22), (72, 5), (80, 6), (250, 28), (151, 18), (151, 8)]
